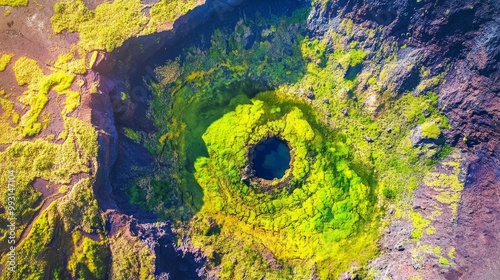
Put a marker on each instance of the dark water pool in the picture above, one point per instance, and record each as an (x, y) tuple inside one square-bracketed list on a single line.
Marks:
[(271, 159)]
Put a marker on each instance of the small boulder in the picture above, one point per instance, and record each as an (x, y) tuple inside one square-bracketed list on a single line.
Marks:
[(368, 139), (427, 133)]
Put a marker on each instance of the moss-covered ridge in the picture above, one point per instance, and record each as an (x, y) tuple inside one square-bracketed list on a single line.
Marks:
[(330, 205)]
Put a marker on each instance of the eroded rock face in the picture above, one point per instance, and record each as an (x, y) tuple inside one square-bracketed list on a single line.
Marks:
[(477, 231), (470, 99)]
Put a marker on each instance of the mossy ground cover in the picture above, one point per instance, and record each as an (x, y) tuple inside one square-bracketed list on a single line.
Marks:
[(331, 100), (56, 247), (111, 23), (56, 227), (14, 3), (4, 61), (69, 220), (28, 72)]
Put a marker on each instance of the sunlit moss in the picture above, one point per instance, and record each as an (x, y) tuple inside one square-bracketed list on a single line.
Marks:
[(446, 183), (111, 23), (444, 261), (140, 264), (74, 61), (430, 130), (27, 71), (52, 162), (89, 259), (4, 61), (8, 120), (451, 253), (14, 3), (104, 28), (419, 224), (131, 134), (166, 11)]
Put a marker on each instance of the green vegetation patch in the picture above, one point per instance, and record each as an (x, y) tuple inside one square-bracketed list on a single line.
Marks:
[(141, 263), (57, 228), (14, 3), (8, 120), (86, 254), (132, 134), (4, 61), (430, 130), (104, 28), (111, 23), (27, 71), (73, 62), (166, 11)]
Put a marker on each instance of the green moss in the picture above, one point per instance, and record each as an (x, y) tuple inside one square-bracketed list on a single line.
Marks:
[(72, 101), (89, 259), (132, 134), (39, 253), (104, 28), (446, 183), (27, 71), (14, 3), (419, 224), (73, 62), (4, 61), (372, 81), (444, 261), (451, 253), (36, 98), (8, 120), (430, 130), (166, 11), (430, 230), (80, 208), (52, 162), (141, 264), (33, 250), (208, 115), (93, 59)]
